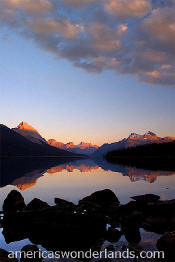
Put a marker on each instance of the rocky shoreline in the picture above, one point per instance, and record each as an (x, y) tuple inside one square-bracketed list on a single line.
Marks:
[(95, 219)]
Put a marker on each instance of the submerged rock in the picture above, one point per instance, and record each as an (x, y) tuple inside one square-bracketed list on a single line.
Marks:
[(14, 202), (36, 204)]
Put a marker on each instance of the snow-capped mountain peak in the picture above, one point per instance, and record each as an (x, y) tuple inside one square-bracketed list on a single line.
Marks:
[(134, 135), (132, 141), (149, 133), (82, 148), (25, 126), (29, 132)]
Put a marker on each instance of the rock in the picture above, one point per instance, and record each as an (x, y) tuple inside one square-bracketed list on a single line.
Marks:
[(36, 204), (30, 253), (166, 207), (14, 202), (129, 208), (112, 235), (131, 233), (110, 248), (167, 244), (6, 259), (130, 225), (105, 259), (146, 198), (103, 198), (135, 218), (64, 204), (3, 253), (89, 208), (54, 228), (158, 224), (4, 256)]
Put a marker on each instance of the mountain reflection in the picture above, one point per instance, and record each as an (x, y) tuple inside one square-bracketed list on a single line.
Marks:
[(86, 165), (24, 173)]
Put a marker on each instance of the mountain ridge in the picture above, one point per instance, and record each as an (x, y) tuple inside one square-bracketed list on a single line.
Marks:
[(30, 133), (14, 144), (82, 148), (132, 140)]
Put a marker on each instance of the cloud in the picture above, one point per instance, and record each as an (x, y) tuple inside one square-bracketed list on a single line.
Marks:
[(161, 26), (125, 9), (76, 3), (50, 26), (33, 6), (135, 37), (103, 37), (156, 47)]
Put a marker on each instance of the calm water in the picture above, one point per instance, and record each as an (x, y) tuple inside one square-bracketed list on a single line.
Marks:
[(77, 179)]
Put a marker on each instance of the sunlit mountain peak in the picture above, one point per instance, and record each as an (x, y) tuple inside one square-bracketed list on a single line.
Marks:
[(25, 126)]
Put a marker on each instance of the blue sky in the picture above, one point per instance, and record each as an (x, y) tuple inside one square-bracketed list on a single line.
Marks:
[(68, 103)]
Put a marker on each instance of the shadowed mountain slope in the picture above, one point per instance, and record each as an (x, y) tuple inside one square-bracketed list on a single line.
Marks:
[(30, 133), (14, 144)]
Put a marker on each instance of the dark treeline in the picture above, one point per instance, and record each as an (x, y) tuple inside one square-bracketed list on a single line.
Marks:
[(152, 156)]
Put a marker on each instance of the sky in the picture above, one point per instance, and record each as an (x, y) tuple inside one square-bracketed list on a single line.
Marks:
[(88, 70)]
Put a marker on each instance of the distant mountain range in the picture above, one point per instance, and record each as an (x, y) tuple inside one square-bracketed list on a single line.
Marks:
[(25, 140), (14, 144), (132, 141), (82, 148), (33, 135)]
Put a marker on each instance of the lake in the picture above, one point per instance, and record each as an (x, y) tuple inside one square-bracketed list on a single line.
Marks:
[(79, 178), (75, 179)]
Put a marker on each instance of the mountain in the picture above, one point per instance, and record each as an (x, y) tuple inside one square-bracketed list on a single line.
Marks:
[(30, 133), (82, 148), (14, 144), (132, 141)]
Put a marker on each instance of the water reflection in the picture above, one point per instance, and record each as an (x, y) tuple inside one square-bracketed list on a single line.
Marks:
[(72, 179)]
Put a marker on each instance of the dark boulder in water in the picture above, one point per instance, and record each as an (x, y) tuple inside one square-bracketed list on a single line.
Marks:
[(54, 228), (4, 256), (132, 234), (146, 198), (103, 198), (167, 244), (36, 204), (157, 224), (14, 202), (34, 254), (61, 203), (113, 235)]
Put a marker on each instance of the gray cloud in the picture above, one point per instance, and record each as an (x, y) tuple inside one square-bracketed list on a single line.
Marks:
[(125, 9), (134, 37)]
